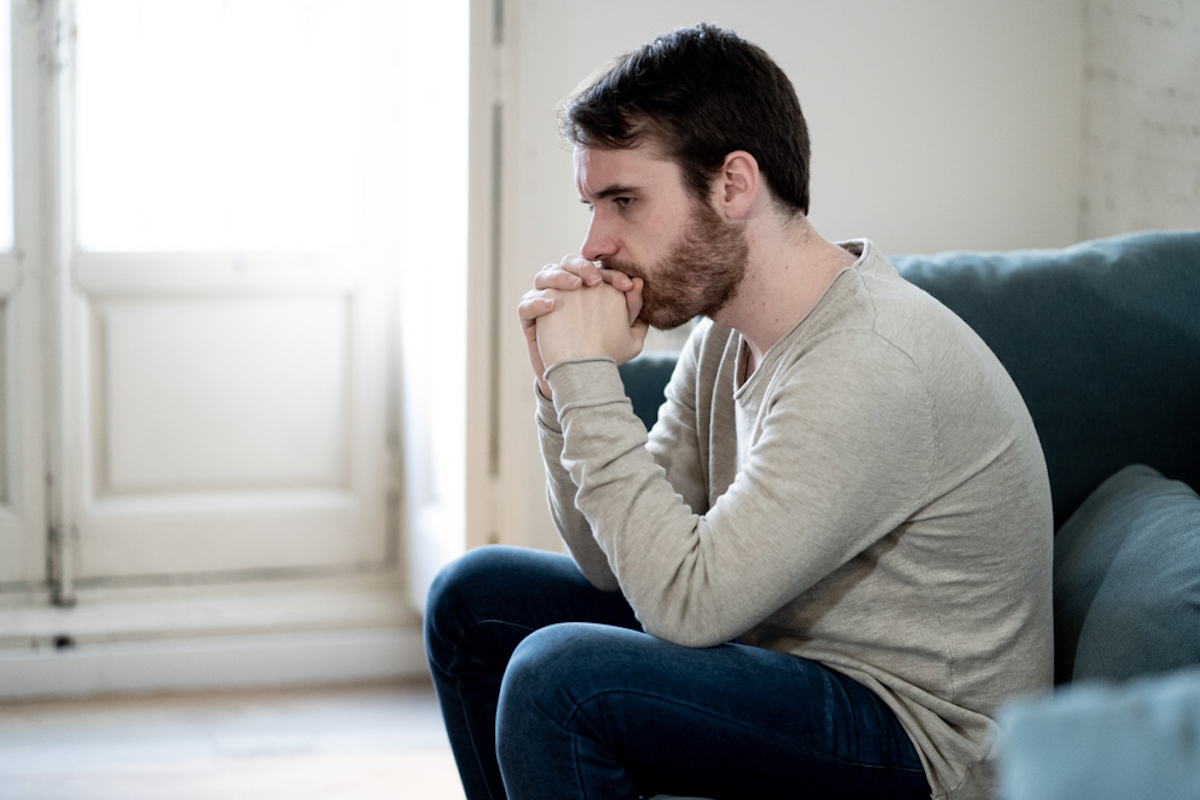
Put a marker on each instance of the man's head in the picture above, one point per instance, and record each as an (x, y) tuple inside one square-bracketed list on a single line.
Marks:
[(699, 94), (691, 254)]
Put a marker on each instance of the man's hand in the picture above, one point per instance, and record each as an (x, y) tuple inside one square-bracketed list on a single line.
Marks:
[(593, 321), (591, 328)]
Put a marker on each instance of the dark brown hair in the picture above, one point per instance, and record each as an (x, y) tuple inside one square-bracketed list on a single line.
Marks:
[(701, 93)]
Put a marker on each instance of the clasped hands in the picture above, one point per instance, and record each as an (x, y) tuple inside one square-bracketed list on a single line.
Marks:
[(579, 310)]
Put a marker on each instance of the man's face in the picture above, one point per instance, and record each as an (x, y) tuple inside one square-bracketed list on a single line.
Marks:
[(646, 225)]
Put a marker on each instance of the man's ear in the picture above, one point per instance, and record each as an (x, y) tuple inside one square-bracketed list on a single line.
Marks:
[(737, 184)]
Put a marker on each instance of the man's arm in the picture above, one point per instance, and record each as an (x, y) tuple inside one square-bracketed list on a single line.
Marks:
[(553, 285), (837, 466)]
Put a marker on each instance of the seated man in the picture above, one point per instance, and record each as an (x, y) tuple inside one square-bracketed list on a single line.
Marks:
[(828, 563)]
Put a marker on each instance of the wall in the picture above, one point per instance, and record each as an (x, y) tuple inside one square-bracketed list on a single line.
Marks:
[(936, 124), (1141, 116)]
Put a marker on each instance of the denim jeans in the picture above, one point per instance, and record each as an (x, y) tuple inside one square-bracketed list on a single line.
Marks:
[(550, 689)]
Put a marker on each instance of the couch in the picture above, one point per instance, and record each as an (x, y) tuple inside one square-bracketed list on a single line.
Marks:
[(1103, 341)]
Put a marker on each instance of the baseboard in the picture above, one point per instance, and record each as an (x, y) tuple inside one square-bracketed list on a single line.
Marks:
[(213, 662)]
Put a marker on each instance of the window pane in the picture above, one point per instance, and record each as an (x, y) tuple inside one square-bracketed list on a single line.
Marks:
[(219, 124)]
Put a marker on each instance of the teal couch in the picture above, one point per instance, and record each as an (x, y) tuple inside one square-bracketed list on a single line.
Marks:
[(1103, 340)]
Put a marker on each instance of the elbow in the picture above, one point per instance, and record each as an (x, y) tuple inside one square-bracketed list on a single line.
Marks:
[(604, 582), (694, 639), (599, 576), (688, 633)]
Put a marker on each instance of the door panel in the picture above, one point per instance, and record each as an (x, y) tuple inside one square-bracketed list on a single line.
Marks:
[(221, 394), (226, 431)]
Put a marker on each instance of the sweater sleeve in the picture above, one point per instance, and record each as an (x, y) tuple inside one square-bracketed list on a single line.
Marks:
[(572, 526), (843, 455), (673, 444)]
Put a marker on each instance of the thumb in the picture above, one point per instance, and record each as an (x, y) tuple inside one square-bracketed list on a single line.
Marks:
[(633, 300)]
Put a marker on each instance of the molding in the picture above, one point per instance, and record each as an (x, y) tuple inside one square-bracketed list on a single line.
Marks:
[(116, 614), (173, 638), (215, 662)]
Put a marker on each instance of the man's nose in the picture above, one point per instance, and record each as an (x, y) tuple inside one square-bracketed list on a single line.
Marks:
[(598, 243)]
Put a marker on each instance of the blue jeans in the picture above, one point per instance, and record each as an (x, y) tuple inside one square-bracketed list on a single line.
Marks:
[(550, 689)]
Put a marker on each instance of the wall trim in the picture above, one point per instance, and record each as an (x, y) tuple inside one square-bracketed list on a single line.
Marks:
[(213, 662)]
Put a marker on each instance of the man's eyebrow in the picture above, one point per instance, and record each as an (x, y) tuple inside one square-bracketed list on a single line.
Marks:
[(610, 191)]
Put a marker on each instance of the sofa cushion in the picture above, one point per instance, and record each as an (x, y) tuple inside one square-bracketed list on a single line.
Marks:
[(1103, 341), (645, 379), (1097, 742), (1127, 579)]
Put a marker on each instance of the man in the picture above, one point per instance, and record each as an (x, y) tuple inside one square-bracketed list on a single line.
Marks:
[(827, 565)]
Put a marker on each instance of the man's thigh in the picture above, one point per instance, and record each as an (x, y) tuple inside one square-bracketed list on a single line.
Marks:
[(630, 714), (485, 603)]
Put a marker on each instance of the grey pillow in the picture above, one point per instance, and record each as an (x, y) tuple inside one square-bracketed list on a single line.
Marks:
[(1127, 579), (1098, 742)]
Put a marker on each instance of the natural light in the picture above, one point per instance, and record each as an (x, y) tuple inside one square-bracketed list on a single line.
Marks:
[(210, 125)]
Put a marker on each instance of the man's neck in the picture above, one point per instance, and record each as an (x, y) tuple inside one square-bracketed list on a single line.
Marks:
[(790, 269)]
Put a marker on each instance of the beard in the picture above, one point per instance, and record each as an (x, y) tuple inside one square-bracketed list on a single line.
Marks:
[(701, 274)]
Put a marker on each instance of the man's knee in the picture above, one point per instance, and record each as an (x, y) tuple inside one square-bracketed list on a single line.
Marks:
[(457, 594), (463, 578), (567, 664), (506, 587), (560, 682)]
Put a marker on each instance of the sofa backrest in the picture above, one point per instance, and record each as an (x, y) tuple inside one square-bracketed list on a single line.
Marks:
[(1102, 339)]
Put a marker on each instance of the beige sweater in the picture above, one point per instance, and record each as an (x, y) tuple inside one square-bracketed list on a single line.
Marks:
[(874, 498)]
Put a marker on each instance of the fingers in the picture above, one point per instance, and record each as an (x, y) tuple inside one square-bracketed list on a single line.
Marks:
[(633, 299), (619, 280), (534, 304), (574, 272), (638, 337), (552, 276), (588, 272)]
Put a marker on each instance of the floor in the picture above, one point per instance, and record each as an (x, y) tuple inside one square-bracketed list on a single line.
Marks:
[(380, 741)]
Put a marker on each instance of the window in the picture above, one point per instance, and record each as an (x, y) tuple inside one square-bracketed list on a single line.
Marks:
[(227, 187), (209, 125)]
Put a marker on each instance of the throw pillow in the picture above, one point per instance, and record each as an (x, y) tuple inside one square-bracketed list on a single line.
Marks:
[(1097, 742), (1127, 579)]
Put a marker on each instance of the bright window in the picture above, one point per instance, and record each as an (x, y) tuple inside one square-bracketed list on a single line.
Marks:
[(211, 125)]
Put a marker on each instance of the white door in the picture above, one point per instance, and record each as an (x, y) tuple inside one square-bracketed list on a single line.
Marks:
[(22, 353), (222, 297)]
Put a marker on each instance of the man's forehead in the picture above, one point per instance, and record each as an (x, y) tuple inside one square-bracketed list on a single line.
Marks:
[(597, 169)]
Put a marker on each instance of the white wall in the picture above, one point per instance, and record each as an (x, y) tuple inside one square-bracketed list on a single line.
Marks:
[(1142, 116), (935, 124)]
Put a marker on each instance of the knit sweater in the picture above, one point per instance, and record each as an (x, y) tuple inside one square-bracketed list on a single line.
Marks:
[(874, 497)]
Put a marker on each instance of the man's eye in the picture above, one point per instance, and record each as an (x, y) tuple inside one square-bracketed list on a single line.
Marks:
[(623, 202)]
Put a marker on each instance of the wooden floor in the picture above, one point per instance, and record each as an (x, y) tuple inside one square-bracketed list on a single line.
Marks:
[(384, 741)]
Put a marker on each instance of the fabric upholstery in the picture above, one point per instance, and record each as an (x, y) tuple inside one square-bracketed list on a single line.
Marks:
[(1094, 742), (1103, 341), (1127, 580), (645, 379)]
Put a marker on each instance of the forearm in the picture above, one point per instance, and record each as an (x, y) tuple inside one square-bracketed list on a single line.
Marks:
[(699, 576), (572, 526)]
